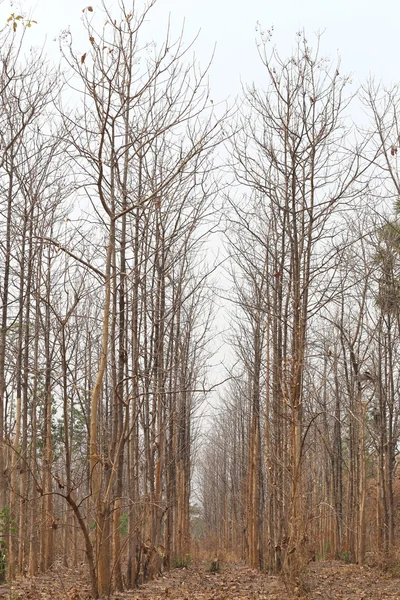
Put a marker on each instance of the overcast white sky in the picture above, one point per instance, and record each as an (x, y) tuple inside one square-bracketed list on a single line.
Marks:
[(364, 32)]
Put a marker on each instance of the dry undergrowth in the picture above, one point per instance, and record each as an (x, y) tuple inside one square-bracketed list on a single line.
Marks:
[(331, 580)]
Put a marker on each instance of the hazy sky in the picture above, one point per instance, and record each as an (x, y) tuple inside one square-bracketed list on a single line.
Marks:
[(364, 33)]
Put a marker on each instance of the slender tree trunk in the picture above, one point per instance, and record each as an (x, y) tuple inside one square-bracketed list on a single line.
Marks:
[(100, 504)]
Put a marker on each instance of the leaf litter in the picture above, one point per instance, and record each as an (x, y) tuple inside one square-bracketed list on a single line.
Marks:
[(325, 580)]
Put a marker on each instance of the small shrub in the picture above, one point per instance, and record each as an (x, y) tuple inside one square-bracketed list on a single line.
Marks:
[(182, 562), (7, 525), (214, 565), (393, 569), (346, 556), (391, 564)]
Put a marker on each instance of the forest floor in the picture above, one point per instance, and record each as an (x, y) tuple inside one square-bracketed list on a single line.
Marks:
[(328, 580)]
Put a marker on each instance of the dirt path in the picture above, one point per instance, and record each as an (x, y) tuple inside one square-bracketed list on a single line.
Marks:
[(233, 582), (325, 581), (332, 580)]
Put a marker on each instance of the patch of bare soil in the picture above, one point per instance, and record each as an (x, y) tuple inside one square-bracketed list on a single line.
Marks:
[(331, 580)]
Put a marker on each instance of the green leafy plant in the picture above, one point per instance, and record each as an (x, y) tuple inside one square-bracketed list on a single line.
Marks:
[(123, 524), (346, 556), (182, 562), (7, 526), (14, 20)]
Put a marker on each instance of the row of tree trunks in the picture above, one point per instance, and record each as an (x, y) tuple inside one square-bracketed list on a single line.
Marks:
[(324, 351), (104, 305)]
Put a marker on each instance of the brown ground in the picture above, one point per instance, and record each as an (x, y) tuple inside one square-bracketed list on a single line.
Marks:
[(325, 581)]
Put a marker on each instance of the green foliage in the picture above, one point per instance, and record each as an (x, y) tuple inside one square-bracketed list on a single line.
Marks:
[(387, 562), (14, 20), (78, 427), (387, 258), (7, 526), (326, 551), (393, 569), (214, 566), (182, 562), (123, 524), (346, 556), (3, 562), (327, 547)]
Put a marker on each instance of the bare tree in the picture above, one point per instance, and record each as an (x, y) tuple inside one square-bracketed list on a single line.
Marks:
[(292, 155)]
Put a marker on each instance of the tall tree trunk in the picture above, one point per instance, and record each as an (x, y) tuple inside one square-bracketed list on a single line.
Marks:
[(101, 505)]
